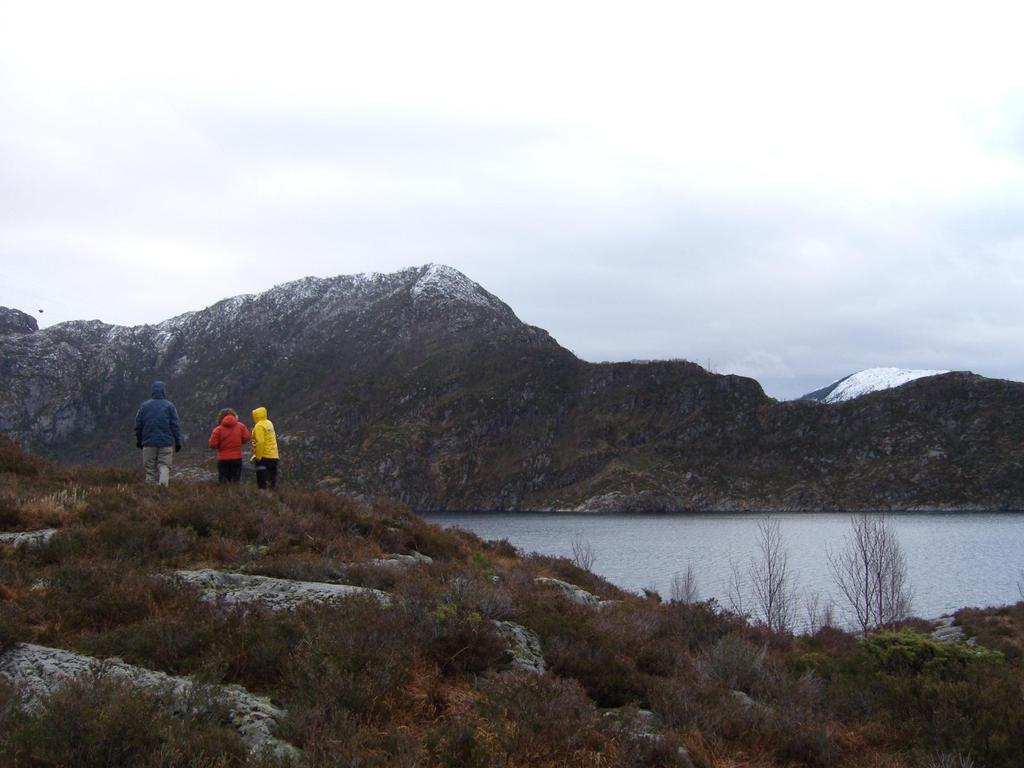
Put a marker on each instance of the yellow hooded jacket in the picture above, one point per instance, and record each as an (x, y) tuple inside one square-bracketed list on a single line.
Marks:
[(264, 441)]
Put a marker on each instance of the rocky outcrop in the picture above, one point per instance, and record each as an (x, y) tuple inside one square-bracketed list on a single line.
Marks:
[(524, 651), (571, 591), (16, 321), (37, 671), (402, 561), (277, 594), (27, 538), (948, 631)]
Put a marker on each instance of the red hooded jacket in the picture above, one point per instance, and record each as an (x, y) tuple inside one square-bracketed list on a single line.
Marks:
[(228, 438)]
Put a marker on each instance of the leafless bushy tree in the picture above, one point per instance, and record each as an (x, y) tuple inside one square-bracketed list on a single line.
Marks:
[(816, 614), (766, 587), (737, 589), (772, 584), (583, 555), (684, 587), (871, 573)]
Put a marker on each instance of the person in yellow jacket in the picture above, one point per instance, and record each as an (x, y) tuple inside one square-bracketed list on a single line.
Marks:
[(264, 449)]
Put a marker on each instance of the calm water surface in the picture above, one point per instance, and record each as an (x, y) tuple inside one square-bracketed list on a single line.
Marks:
[(954, 559)]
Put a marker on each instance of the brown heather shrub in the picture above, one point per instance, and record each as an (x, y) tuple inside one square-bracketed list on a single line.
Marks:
[(335, 738), (96, 475), (735, 663), (11, 629), (19, 462), (461, 742), (254, 646), (199, 516), (501, 548), (137, 538), (576, 647), (638, 745), (564, 569), (686, 701), (1001, 629), (10, 514), (451, 604), (53, 510), (463, 641), (435, 542), (112, 502), (177, 635), (539, 719), (336, 509), (97, 596), (220, 550), (353, 665), (298, 567), (102, 722)]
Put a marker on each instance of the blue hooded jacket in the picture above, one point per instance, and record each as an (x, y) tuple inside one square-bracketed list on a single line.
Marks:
[(156, 423)]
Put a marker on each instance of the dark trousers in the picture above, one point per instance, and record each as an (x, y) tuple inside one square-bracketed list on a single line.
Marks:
[(229, 471), (266, 473)]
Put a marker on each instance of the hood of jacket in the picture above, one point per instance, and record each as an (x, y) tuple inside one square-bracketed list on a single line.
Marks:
[(157, 391), (259, 414), (229, 420)]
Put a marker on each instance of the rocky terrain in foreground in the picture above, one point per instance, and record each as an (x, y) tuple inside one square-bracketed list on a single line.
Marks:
[(423, 387), (203, 625)]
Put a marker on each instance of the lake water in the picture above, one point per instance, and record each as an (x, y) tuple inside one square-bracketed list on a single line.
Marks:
[(954, 559)]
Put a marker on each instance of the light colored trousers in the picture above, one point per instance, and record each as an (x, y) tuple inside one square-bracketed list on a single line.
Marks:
[(158, 460)]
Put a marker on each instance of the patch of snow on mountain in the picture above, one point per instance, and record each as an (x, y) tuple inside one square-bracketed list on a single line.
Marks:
[(874, 380), (296, 291), (440, 281), (168, 330)]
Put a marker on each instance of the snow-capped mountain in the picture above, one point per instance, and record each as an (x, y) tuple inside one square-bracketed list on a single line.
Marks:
[(869, 380), (421, 386)]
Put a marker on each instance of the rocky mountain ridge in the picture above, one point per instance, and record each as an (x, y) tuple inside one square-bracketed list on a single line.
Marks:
[(422, 386)]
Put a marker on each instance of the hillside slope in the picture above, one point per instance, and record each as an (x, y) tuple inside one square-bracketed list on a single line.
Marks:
[(423, 387), (202, 624)]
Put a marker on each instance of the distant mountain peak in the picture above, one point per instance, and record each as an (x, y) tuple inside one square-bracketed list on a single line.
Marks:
[(439, 281), (866, 381), (16, 321)]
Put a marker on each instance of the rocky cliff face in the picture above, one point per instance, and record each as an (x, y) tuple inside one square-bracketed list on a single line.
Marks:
[(422, 386)]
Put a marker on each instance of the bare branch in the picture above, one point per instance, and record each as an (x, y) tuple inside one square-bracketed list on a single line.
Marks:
[(684, 587), (583, 555), (771, 580), (871, 573)]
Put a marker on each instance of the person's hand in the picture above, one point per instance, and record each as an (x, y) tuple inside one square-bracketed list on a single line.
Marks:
[(177, 447), (138, 444)]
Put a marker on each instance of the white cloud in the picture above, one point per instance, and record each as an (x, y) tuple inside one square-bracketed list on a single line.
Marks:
[(795, 189)]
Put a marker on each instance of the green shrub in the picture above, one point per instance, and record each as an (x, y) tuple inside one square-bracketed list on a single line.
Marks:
[(908, 653), (934, 696)]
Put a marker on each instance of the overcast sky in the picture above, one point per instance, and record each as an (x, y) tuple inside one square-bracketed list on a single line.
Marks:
[(790, 191)]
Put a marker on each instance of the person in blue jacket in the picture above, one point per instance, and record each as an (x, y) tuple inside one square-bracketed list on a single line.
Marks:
[(157, 434)]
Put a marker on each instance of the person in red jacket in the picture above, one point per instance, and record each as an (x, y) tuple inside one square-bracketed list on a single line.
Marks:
[(228, 437)]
